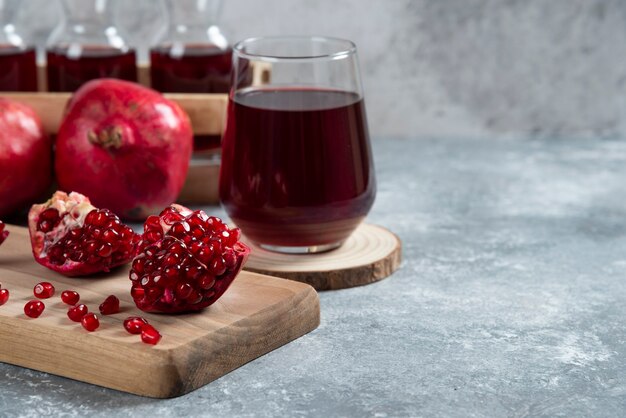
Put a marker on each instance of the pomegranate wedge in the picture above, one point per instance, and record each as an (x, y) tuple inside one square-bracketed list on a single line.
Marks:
[(187, 261), (72, 237)]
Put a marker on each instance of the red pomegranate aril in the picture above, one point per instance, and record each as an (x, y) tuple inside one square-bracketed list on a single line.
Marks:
[(105, 250), (169, 216), (4, 296), (183, 290), (76, 313), (207, 282), (111, 236), (70, 297), (137, 292), (34, 308), (111, 305), (230, 259), (90, 322), (217, 267), (43, 290), (194, 297), (152, 223), (152, 236), (150, 335), (48, 219), (134, 324)]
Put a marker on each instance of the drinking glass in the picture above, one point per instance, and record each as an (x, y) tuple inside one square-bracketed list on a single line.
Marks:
[(297, 174)]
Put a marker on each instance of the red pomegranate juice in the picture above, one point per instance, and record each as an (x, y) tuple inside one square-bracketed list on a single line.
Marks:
[(197, 70), (296, 166), (18, 69), (68, 74), (201, 69)]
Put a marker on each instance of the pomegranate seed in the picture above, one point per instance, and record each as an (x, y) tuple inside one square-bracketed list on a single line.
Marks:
[(152, 236), (153, 223), (70, 297), (217, 267), (48, 219), (137, 292), (43, 290), (230, 259), (150, 335), (4, 296), (76, 313), (90, 322), (194, 297), (34, 308), (207, 282), (134, 324), (183, 290), (111, 305), (105, 250)]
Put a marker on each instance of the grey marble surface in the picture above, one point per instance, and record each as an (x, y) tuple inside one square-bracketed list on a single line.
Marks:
[(511, 301), (546, 68)]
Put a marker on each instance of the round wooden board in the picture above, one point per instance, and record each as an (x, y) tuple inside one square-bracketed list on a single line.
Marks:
[(371, 254)]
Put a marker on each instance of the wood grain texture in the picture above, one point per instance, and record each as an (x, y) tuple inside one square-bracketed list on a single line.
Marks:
[(206, 111), (256, 315), (372, 253)]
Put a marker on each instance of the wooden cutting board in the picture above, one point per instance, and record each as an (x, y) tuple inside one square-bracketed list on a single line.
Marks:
[(256, 315)]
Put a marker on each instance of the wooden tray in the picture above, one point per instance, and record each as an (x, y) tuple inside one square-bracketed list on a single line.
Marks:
[(372, 253), (256, 315)]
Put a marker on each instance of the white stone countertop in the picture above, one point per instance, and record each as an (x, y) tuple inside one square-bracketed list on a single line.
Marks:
[(511, 301)]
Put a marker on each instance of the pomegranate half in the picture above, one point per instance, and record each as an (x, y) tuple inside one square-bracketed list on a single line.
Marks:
[(25, 157), (187, 261), (71, 236), (125, 146)]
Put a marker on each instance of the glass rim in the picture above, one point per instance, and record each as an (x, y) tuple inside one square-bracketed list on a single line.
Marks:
[(348, 49)]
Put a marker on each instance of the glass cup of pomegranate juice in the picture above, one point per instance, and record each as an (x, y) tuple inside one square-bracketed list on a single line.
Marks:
[(297, 174)]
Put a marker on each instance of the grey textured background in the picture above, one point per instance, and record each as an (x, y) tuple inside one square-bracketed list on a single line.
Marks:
[(460, 68)]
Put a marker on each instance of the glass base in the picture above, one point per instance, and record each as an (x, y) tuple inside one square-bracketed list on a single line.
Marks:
[(313, 249)]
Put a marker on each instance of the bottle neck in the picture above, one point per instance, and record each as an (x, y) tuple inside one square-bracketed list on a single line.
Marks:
[(194, 13), (192, 23), (91, 12), (87, 23)]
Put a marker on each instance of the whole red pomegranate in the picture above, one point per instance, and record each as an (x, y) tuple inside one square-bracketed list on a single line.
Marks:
[(71, 236), (187, 261), (25, 157), (125, 146)]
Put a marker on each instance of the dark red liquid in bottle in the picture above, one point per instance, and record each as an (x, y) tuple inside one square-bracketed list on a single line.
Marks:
[(18, 69), (200, 69), (68, 74), (296, 166), (197, 70)]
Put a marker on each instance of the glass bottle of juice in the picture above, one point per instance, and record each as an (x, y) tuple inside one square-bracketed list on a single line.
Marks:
[(192, 55), (88, 44), (18, 65)]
